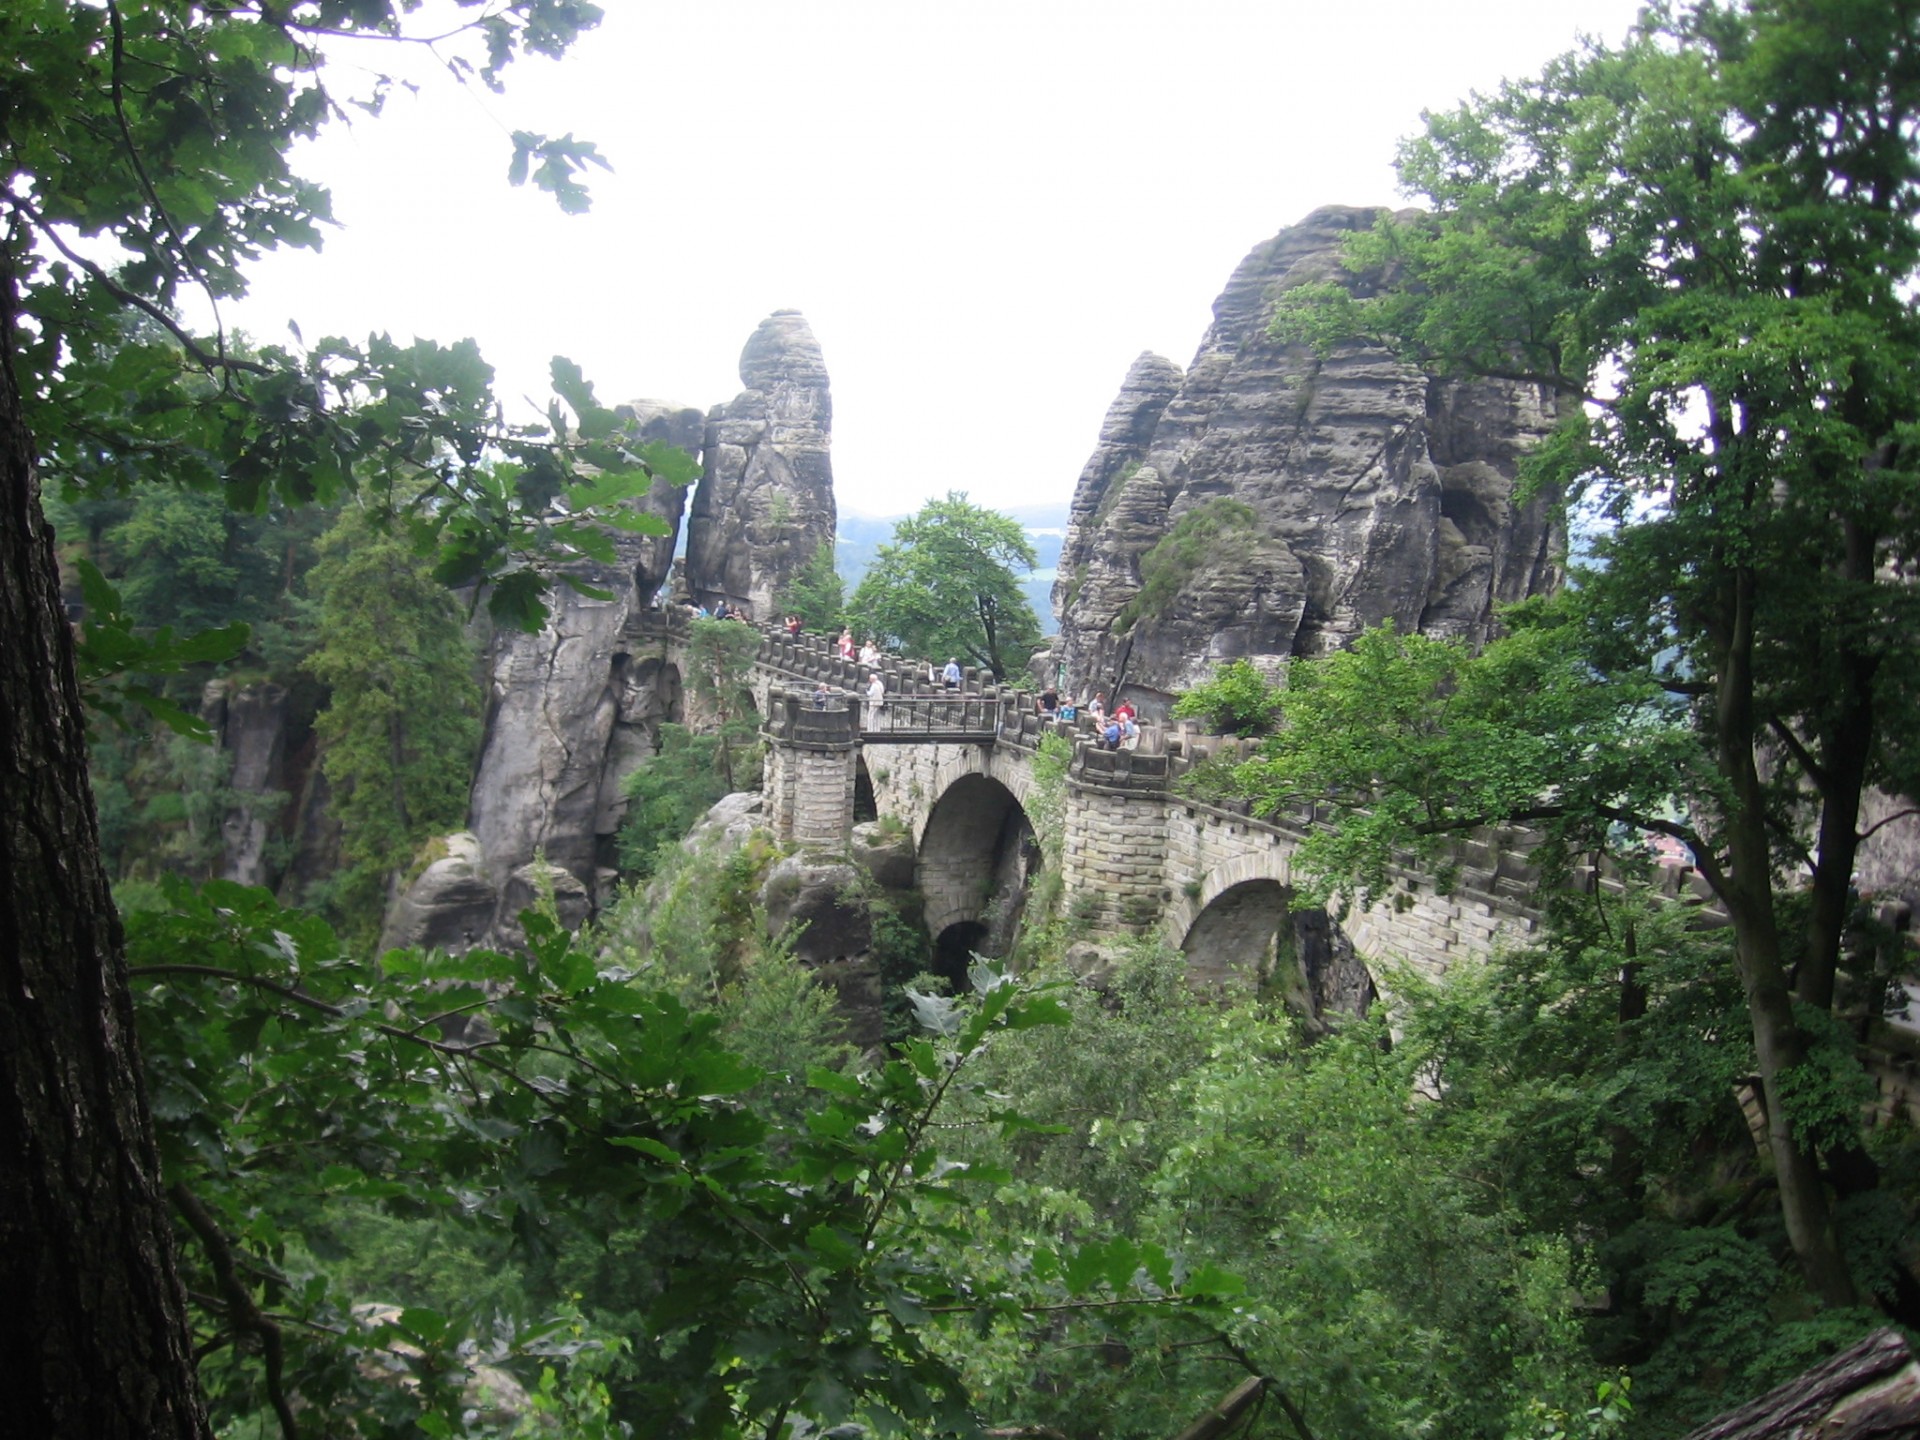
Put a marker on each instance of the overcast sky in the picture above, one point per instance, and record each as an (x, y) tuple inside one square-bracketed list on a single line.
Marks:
[(985, 208)]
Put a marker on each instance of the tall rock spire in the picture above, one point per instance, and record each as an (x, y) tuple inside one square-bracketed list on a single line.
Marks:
[(765, 499)]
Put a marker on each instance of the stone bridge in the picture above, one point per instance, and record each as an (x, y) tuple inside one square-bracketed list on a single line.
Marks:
[(1140, 857)]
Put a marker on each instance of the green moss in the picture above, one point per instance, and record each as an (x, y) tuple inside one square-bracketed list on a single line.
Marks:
[(1076, 584), (1220, 531), (1111, 495)]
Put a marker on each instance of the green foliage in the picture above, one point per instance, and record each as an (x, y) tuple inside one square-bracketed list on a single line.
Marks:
[(110, 651), (165, 137), (946, 587), (402, 719), (1386, 1291), (1407, 742), (1236, 699), (816, 594), (1635, 232), (666, 795), (1217, 533), (794, 1268), (720, 658)]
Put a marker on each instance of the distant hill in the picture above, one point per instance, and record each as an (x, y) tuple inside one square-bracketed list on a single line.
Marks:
[(859, 537)]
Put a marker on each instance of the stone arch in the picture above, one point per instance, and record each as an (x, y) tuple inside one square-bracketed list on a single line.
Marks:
[(865, 805), (976, 854), (954, 763), (1246, 929), (1268, 862), (1234, 937)]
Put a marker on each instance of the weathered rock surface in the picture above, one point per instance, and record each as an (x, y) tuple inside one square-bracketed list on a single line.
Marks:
[(1376, 494), (822, 898), (730, 820), (765, 498), (570, 711), (251, 723), (682, 426), (451, 905), (1327, 977), (885, 853), (528, 886), (823, 901)]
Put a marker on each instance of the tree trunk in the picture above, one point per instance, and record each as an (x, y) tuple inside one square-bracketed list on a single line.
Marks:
[(1847, 748), (94, 1330), (1748, 896)]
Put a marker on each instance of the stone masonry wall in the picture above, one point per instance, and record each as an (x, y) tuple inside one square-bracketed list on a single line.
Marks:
[(1115, 866), (1139, 856)]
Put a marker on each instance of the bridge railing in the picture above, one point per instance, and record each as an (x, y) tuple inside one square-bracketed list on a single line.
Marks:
[(933, 713)]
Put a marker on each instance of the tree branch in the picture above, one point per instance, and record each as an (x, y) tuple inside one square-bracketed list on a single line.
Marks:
[(1799, 751), (1882, 824), (205, 360), (241, 1310), (187, 266)]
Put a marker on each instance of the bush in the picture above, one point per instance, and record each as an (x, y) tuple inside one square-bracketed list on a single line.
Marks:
[(1238, 700), (666, 796)]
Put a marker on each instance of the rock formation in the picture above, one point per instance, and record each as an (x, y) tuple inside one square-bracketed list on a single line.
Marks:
[(251, 723), (570, 711), (765, 499), (1271, 503), (681, 425)]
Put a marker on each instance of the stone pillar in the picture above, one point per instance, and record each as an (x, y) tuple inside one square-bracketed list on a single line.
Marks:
[(811, 760), (1114, 870)]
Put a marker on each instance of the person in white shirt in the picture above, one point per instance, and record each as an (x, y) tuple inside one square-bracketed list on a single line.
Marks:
[(876, 700), (952, 674), (869, 653)]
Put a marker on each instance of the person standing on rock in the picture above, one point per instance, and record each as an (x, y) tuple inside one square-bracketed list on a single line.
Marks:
[(876, 700)]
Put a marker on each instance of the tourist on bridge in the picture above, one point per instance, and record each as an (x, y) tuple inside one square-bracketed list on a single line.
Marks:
[(820, 696), (952, 673), (1097, 708), (1049, 703), (720, 610), (793, 626), (876, 700), (870, 653), (846, 643), (1129, 734)]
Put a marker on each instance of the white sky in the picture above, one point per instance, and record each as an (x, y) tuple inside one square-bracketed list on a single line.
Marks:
[(985, 208)]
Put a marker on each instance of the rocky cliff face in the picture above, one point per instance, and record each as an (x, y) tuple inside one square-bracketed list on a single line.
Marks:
[(681, 425), (765, 498), (1271, 503), (574, 709)]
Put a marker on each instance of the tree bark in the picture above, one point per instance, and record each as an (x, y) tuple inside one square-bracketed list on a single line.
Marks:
[(1748, 895), (1848, 746), (94, 1326)]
